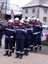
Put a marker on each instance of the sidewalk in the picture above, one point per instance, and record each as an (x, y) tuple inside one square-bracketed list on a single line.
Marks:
[(41, 57)]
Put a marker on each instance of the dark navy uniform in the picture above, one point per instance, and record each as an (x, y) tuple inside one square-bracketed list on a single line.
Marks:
[(27, 39), (34, 36), (20, 38), (9, 35), (13, 45), (1, 33), (39, 34)]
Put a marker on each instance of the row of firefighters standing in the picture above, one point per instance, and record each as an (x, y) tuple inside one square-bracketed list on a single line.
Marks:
[(25, 33)]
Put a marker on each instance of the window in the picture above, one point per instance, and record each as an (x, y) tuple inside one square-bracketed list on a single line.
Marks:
[(45, 19), (33, 10), (33, 16), (45, 10), (26, 11), (26, 17)]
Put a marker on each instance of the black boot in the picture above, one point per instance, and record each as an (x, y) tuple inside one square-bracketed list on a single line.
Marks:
[(35, 49), (0, 42), (9, 54), (40, 48), (17, 55), (26, 53), (12, 51), (21, 55), (6, 53), (31, 49)]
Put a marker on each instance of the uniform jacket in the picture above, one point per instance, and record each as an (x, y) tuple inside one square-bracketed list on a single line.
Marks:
[(9, 32), (20, 32), (1, 30)]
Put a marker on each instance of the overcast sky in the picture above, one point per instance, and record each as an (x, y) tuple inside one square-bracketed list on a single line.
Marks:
[(20, 2)]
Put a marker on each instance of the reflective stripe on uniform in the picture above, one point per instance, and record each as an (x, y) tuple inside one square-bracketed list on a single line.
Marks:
[(17, 51), (11, 36), (28, 49), (24, 48), (39, 32), (13, 47), (6, 49), (21, 30), (28, 29), (40, 45), (10, 50), (35, 33), (31, 45), (10, 29), (36, 46), (6, 36), (21, 52)]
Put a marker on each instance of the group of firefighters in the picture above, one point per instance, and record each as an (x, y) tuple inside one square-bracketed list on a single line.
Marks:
[(22, 35)]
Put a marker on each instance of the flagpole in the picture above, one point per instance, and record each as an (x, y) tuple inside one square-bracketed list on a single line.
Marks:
[(5, 9)]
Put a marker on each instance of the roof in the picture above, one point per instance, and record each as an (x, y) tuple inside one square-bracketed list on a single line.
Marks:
[(37, 3)]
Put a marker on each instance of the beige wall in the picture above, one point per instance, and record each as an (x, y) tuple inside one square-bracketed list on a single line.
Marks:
[(39, 12), (30, 14), (42, 14)]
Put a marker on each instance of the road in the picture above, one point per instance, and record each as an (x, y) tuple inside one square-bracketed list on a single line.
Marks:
[(41, 57)]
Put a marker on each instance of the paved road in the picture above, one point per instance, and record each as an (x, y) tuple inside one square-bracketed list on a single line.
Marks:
[(41, 57)]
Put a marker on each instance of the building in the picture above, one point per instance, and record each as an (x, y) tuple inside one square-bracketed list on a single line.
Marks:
[(7, 7), (37, 8), (1, 15)]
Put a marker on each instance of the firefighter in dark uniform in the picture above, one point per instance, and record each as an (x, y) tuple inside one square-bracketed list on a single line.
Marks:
[(1, 32), (39, 33), (27, 37), (9, 35), (34, 34), (31, 44), (20, 38), (16, 23)]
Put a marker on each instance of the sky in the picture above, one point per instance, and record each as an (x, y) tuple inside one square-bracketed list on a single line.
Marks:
[(21, 3)]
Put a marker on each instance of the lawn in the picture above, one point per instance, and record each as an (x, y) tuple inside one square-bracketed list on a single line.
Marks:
[(45, 42)]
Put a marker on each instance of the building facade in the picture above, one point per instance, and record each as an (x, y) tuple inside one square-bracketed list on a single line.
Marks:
[(37, 8), (7, 7)]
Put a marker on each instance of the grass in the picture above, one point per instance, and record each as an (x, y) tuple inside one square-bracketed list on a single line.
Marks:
[(45, 42)]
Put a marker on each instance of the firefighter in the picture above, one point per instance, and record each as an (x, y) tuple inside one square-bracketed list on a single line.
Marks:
[(9, 35), (32, 38), (1, 32), (20, 38), (27, 37), (39, 33), (16, 23), (34, 34)]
